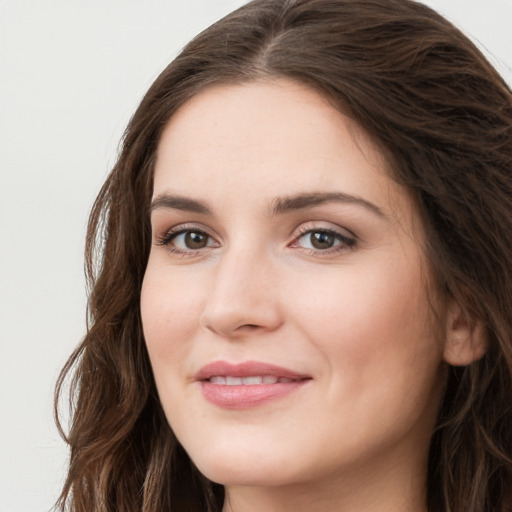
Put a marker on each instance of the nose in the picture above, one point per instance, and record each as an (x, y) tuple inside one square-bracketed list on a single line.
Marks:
[(242, 297)]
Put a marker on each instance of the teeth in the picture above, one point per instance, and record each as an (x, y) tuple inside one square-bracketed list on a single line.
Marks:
[(252, 380), (228, 380)]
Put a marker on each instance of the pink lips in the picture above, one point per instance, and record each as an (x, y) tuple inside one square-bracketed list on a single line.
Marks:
[(247, 384)]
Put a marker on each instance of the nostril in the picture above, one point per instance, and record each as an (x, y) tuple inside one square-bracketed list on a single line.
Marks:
[(247, 327), (241, 329)]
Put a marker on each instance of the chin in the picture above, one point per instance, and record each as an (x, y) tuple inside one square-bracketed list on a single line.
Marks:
[(246, 467), (246, 476)]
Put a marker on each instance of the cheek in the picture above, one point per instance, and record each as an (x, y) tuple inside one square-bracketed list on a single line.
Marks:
[(381, 353), (169, 311), (372, 326), (352, 302)]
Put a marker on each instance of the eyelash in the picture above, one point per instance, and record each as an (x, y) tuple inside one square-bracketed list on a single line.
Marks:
[(345, 242), (166, 239)]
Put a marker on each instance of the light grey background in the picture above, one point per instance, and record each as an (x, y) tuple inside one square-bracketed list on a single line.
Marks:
[(71, 74)]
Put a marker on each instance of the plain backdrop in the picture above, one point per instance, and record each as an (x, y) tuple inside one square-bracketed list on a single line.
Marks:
[(71, 74)]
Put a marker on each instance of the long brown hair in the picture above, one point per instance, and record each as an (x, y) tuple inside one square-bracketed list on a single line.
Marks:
[(443, 118)]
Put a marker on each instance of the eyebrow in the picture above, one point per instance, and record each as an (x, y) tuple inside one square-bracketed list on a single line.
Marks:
[(309, 200), (279, 205), (166, 201)]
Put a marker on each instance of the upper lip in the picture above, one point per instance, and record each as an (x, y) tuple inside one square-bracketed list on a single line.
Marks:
[(247, 369)]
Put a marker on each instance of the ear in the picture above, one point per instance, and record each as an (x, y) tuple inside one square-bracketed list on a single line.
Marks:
[(465, 340)]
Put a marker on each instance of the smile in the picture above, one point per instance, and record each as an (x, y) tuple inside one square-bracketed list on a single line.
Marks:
[(247, 385), (248, 381)]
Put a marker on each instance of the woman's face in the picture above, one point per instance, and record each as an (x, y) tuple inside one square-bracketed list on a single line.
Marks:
[(284, 304)]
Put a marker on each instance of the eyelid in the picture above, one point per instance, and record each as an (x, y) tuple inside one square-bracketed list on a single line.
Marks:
[(182, 226), (307, 227)]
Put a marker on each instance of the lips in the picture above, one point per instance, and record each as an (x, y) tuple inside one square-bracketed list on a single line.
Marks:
[(248, 384), (253, 380)]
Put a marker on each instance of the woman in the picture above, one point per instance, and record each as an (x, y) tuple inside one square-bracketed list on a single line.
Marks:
[(300, 274)]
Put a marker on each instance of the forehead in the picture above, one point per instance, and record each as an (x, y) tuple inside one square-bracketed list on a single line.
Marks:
[(266, 139)]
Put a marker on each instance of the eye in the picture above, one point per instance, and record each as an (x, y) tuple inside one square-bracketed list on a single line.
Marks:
[(323, 240), (191, 240), (185, 241), (319, 240)]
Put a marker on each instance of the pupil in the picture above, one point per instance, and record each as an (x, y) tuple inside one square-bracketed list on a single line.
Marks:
[(322, 240), (195, 240)]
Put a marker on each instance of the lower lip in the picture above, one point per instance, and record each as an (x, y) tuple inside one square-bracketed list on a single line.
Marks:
[(247, 396)]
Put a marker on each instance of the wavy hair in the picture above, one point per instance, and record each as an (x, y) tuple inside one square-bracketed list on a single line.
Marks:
[(443, 118)]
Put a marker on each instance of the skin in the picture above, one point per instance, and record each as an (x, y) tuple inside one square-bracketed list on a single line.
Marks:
[(355, 317)]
